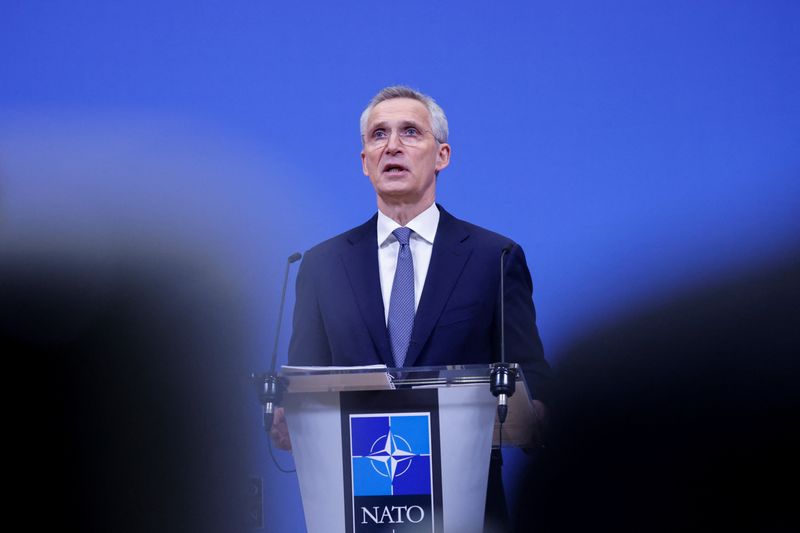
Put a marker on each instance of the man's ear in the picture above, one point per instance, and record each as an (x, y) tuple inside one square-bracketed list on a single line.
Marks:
[(364, 163), (442, 156)]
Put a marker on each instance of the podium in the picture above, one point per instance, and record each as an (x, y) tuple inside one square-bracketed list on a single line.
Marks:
[(382, 449)]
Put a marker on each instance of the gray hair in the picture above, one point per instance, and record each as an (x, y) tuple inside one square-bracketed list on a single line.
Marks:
[(438, 118)]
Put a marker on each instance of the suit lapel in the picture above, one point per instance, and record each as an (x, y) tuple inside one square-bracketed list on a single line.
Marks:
[(451, 250), (361, 263)]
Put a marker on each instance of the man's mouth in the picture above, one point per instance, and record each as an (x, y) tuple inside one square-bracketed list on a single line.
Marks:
[(394, 169)]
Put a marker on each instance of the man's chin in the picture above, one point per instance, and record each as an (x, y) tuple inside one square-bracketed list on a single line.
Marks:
[(394, 189)]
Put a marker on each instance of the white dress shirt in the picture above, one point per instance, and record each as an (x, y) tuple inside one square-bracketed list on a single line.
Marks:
[(424, 228)]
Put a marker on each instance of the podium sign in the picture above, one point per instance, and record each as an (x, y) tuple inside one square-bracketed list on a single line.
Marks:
[(392, 460), (413, 456)]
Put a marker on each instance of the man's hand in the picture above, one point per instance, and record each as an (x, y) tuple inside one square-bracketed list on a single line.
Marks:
[(279, 432), (539, 422)]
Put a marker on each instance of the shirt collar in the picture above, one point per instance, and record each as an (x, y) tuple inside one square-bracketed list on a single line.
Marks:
[(423, 225)]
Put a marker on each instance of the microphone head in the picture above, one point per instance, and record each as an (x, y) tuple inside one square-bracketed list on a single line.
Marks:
[(502, 413), (295, 257)]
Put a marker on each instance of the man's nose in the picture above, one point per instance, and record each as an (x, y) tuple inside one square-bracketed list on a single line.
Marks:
[(393, 143)]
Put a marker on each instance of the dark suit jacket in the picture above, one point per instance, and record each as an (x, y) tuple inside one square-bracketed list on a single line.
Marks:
[(339, 314)]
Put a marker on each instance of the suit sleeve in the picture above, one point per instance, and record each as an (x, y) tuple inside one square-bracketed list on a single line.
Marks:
[(523, 344), (309, 344)]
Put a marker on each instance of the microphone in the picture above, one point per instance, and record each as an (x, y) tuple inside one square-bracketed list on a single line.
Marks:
[(503, 376), (271, 384)]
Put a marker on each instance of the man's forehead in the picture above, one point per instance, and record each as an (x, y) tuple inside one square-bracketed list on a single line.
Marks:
[(400, 110)]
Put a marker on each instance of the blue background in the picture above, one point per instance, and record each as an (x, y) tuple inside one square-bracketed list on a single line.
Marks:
[(634, 148)]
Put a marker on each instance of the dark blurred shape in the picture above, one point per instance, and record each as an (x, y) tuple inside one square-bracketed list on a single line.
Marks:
[(684, 418), (126, 412)]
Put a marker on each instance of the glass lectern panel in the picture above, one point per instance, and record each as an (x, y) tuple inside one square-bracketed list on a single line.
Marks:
[(375, 377)]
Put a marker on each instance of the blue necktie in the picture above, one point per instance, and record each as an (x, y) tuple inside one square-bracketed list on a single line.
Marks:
[(401, 304)]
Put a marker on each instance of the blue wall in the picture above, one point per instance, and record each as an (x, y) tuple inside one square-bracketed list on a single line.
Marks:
[(633, 148)]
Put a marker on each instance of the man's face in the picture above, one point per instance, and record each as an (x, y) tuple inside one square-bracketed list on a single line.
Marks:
[(400, 173)]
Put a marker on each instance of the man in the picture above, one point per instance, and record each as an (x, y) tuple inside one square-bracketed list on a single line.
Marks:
[(413, 286)]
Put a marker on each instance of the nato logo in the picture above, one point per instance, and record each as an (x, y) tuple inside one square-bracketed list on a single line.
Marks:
[(391, 471)]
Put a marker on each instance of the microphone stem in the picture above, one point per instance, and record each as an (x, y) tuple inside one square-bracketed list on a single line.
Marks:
[(280, 317), (502, 307)]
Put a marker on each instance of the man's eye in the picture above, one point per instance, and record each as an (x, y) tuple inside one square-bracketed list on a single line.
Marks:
[(379, 134), (411, 132)]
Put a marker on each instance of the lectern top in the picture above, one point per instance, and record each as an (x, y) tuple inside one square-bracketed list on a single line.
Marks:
[(331, 378)]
